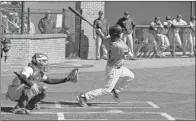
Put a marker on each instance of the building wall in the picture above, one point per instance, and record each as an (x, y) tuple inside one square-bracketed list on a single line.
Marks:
[(23, 47), (143, 12), (90, 12)]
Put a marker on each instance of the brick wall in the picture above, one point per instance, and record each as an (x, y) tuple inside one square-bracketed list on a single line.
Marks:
[(23, 48), (90, 12)]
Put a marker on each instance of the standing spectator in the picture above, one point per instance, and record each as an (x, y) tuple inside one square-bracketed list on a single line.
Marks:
[(188, 38), (128, 26), (102, 24), (164, 43), (153, 31), (46, 25), (168, 23), (176, 24), (31, 26), (192, 24)]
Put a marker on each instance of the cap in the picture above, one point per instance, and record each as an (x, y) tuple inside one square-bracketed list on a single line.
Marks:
[(126, 13), (179, 16), (100, 12), (168, 18), (157, 18), (193, 18)]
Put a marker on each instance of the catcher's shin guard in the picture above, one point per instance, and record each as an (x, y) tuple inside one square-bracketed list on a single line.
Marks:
[(26, 96), (33, 102)]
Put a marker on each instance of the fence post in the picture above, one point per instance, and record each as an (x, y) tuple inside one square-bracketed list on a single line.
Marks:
[(174, 45), (63, 19), (134, 42), (80, 35), (22, 18), (28, 25)]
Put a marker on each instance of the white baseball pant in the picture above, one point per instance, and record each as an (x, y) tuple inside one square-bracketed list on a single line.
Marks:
[(193, 36), (177, 39), (128, 38), (99, 43), (113, 75), (163, 41), (187, 40)]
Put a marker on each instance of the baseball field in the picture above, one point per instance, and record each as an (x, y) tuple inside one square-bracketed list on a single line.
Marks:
[(163, 89)]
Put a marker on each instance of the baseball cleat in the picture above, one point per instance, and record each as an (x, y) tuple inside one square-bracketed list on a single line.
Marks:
[(115, 95), (82, 101), (32, 107), (21, 111)]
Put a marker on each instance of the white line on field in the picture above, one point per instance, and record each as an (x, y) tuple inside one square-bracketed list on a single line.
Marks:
[(104, 112), (57, 105), (167, 116), (152, 104), (60, 115), (101, 102), (90, 107)]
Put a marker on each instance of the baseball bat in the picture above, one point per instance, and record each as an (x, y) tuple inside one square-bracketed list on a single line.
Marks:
[(78, 14)]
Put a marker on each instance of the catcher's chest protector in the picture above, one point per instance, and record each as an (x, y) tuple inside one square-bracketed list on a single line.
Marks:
[(37, 74)]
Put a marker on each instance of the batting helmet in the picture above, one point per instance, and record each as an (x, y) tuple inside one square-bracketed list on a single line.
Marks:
[(41, 61), (115, 31)]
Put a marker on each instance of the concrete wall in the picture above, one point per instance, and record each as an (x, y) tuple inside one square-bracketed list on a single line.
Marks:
[(144, 12)]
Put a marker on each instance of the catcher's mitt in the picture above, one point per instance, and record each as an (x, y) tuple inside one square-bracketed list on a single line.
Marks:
[(73, 75)]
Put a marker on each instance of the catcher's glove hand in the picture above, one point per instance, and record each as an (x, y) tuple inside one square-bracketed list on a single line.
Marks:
[(73, 75)]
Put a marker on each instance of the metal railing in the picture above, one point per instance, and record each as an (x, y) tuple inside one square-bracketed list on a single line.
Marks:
[(137, 35)]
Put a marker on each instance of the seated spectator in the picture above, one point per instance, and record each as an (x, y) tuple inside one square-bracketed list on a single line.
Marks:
[(46, 24)]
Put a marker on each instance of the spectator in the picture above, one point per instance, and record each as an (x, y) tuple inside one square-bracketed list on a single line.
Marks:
[(192, 24), (31, 26), (163, 42), (176, 24), (128, 26), (168, 24), (153, 31), (46, 25), (188, 38), (101, 23)]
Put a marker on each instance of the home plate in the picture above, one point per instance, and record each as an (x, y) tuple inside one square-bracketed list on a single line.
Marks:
[(114, 111)]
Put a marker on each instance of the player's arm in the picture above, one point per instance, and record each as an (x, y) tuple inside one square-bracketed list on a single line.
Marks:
[(40, 26), (94, 30), (24, 75), (192, 26), (133, 24), (48, 80)]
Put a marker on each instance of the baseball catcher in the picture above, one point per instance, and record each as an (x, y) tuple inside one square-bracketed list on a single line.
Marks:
[(27, 88)]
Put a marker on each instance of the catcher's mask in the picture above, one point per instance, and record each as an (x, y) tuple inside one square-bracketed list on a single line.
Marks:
[(41, 61)]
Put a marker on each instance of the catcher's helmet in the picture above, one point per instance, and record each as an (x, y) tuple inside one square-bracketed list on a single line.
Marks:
[(41, 61), (115, 31)]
